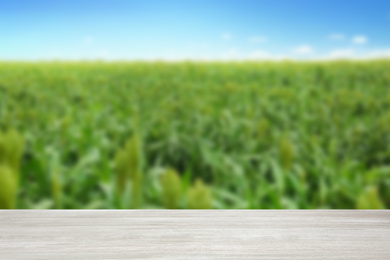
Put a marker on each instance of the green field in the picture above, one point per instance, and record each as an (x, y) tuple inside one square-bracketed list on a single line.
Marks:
[(195, 135)]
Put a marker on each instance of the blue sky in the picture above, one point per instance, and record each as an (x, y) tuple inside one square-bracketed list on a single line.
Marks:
[(197, 29)]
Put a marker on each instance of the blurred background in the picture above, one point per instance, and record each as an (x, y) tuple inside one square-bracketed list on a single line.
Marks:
[(194, 104)]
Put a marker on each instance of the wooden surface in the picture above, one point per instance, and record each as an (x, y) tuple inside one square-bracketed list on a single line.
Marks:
[(224, 234)]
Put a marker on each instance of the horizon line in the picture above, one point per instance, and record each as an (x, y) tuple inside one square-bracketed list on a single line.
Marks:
[(97, 60)]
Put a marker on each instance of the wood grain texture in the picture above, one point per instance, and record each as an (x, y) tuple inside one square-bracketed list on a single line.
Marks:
[(194, 234)]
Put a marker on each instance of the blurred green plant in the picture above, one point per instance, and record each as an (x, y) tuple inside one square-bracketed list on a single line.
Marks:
[(11, 151), (199, 196), (128, 166), (57, 191), (287, 152), (369, 199), (171, 189), (8, 188)]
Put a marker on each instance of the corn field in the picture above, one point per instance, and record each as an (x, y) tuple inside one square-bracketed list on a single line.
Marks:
[(192, 135)]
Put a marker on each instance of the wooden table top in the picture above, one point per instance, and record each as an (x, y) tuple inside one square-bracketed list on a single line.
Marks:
[(194, 234)]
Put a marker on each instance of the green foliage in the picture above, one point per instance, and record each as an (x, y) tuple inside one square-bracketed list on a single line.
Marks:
[(263, 129), (172, 188), (267, 135), (57, 189), (8, 188), (11, 151), (369, 199), (199, 196), (128, 165), (287, 152)]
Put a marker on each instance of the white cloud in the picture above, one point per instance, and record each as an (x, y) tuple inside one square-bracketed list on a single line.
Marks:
[(337, 37), (360, 39), (227, 36), (258, 39), (304, 50), (376, 53), (265, 55), (352, 54)]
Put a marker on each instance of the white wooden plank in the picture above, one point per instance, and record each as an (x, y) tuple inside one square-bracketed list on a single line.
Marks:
[(194, 234)]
